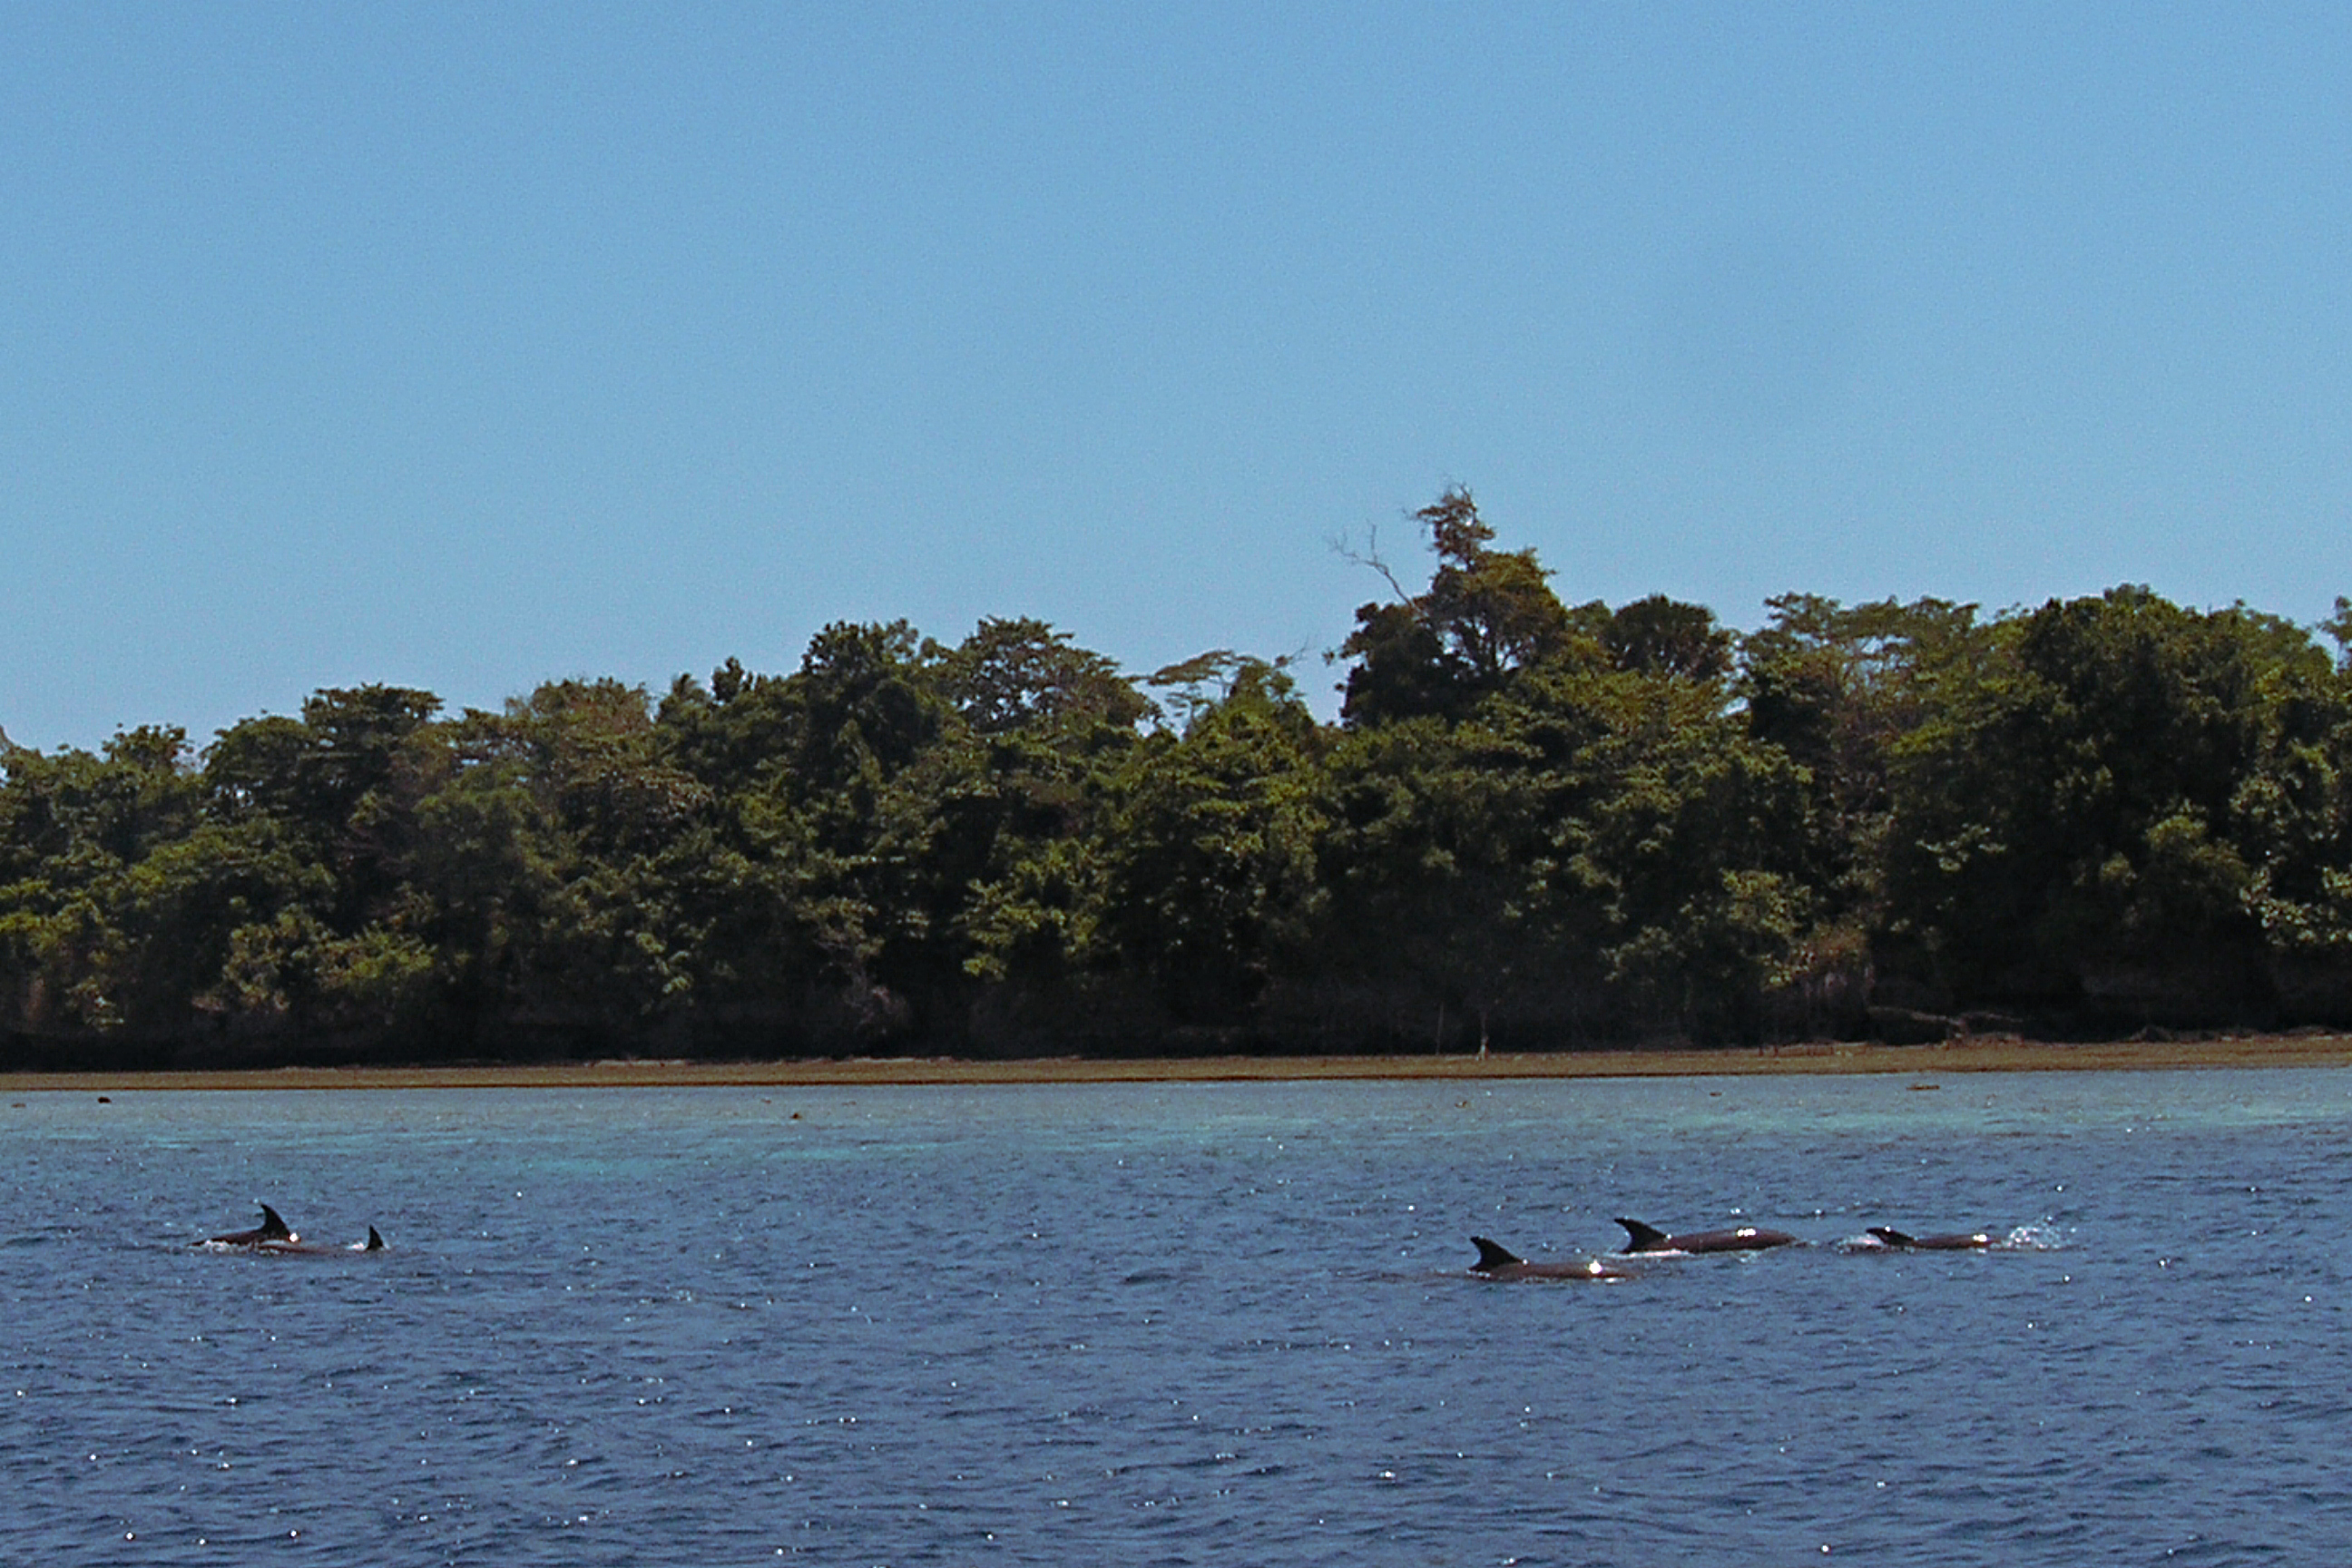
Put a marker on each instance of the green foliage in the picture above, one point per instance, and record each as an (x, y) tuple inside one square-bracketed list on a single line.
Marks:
[(1017, 677), (1486, 615), (1837, 689), (1658, 636), (1207, 864), (2094, 810), (1536, 826), (1435, 869)]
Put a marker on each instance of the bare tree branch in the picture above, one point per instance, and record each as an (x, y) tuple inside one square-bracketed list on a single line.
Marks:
[(1370, 556)]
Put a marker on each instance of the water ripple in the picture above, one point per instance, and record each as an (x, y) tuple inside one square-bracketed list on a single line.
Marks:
[(1184, 1324)]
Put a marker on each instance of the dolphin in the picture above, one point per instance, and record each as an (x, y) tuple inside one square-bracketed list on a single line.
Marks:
[(271, 1230), (1640, 1237), (1496, 1261), (1962, 1241), (273, 1235), (299, 1248)]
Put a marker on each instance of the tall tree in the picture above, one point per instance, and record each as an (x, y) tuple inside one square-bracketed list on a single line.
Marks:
[(1208, 860), (2066, 825), (1486, 614)]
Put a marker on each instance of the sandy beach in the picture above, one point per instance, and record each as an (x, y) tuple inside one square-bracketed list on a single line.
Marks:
[(1925, 1063)]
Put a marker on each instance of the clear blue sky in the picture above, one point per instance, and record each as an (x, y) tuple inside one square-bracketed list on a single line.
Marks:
[(466, 346)]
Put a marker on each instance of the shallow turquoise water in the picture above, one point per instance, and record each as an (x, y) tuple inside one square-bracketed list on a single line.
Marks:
[(1196, 1324)]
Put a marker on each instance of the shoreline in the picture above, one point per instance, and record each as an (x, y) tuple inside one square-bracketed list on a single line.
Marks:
[(1974, 1055)]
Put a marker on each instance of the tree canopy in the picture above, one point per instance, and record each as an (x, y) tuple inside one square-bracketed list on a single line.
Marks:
[(1535, 825)]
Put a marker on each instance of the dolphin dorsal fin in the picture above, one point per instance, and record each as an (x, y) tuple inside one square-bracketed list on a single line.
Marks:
[(1640, 1237), (1890, 1235), (374, 1242), (1493, 1254), (272, 1227)]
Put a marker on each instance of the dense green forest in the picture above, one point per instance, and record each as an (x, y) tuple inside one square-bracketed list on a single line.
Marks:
[(1535, 825)]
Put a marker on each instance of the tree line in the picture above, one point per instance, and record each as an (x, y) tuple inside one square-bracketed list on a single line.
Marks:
[(1533, 825)]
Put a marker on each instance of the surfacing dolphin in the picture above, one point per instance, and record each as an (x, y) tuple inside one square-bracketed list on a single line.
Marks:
[(273, 1235), (1957, 1241), (1640, 1237), (271, 1230), (1496, 1261)]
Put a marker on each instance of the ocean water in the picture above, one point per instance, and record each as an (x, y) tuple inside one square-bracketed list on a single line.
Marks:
[(1181, 1324)]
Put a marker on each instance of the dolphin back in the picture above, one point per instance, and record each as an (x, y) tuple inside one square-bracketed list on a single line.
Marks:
[(1958, 1241), (1640, 1237), (1493, 1254)]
